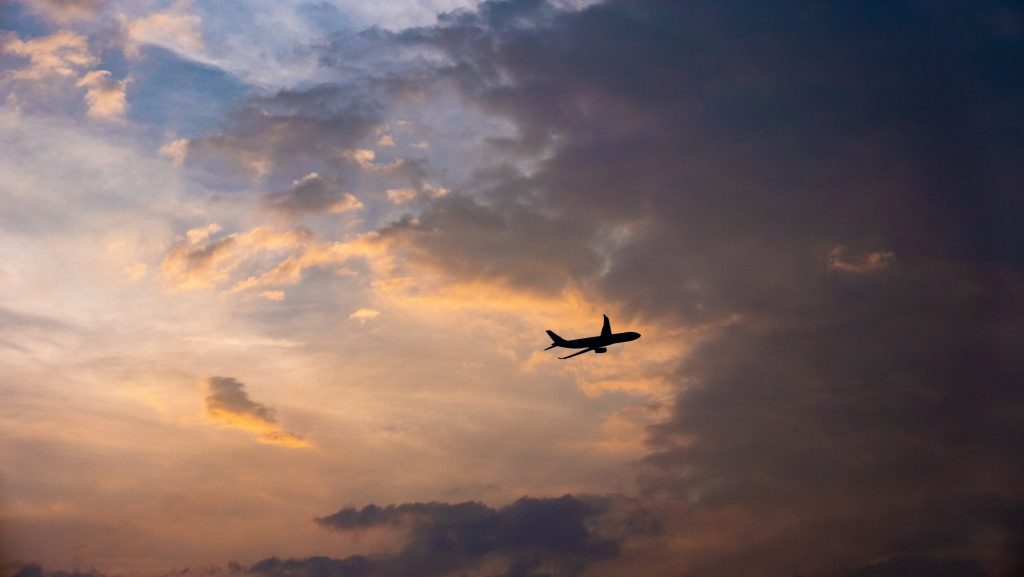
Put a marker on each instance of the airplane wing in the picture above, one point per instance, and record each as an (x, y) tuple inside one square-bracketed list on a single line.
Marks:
[(574, 354), (606, 330)]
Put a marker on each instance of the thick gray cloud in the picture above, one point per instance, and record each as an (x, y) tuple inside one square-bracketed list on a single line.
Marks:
[(528, 537), (830, 185)]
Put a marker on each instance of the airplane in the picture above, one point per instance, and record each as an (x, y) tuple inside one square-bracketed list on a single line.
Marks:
[(598, 344)]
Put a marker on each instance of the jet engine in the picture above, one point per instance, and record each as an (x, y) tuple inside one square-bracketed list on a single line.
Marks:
[(600, 350)]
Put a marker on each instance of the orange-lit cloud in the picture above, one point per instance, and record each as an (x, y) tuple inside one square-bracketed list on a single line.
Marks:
[(199, 262), (363, 315), (228, 404)]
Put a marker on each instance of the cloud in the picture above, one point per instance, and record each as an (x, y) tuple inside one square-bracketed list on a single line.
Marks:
[(273, 295), (528, 537), (262, 258), (289, 133), (176, 150), (838, 260), (728, 171), (363, 315), (135, 272), (176, 29), (63, 53), (53, 63), (105, 96), (197, 261), (228, 404), (694, 177), (311, 194), (65, 10), (512, 243), (401, 195), (920, 565)]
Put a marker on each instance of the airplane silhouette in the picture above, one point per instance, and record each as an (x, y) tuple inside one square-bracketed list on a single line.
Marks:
[(598, 344)]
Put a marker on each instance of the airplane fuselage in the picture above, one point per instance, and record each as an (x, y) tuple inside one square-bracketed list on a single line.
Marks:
[(600, 341)]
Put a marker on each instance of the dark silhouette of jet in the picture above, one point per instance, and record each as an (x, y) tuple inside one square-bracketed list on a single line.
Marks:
[(598, 344)]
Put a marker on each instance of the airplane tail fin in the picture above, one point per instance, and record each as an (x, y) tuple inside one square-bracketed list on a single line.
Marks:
[(555, 339)]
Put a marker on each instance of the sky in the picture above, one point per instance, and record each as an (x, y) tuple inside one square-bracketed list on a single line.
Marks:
[(275, 276)]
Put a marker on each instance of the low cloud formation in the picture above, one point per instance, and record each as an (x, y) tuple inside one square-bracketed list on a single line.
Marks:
[(528, 537), (229, 404)]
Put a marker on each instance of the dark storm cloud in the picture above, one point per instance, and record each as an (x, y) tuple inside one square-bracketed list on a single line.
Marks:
[(832, 186), (749, 123), (528, 537), (554, 525)]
